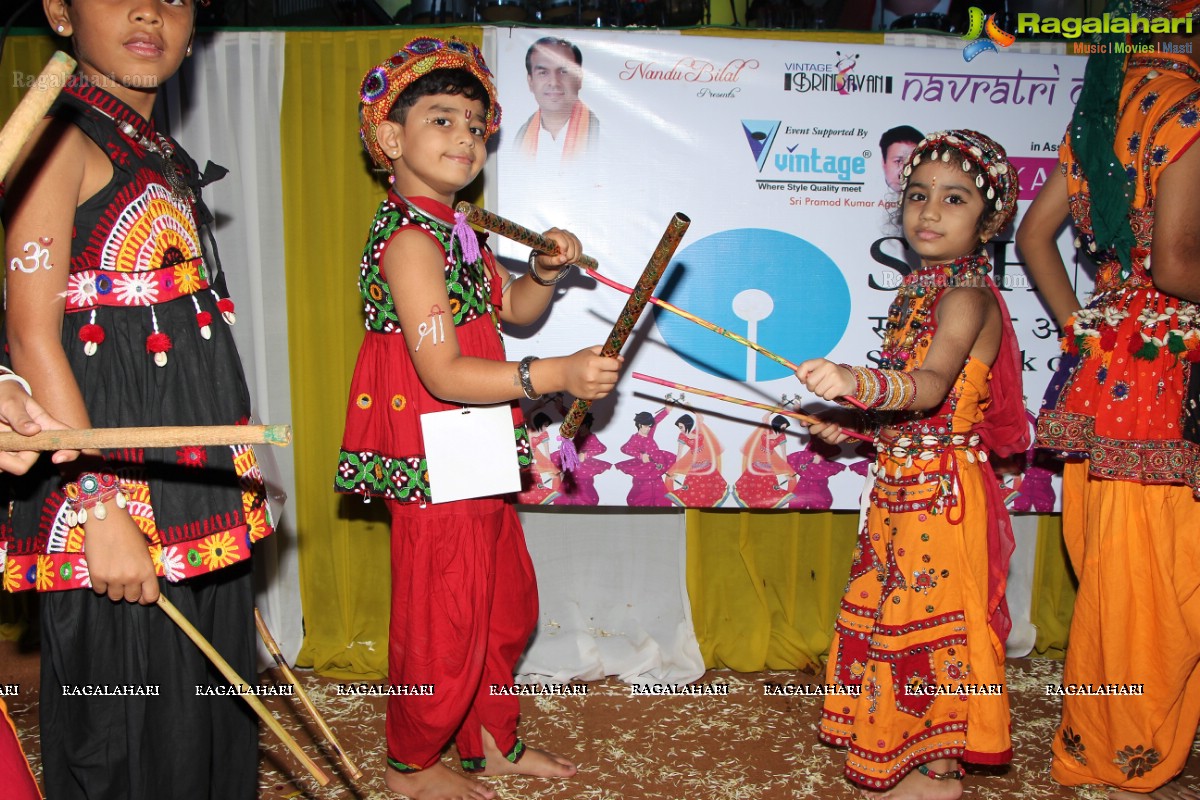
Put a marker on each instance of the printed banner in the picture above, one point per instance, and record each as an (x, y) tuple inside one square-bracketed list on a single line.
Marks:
[(785, 155)]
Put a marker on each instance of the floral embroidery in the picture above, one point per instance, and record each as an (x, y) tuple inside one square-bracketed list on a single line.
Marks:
[(192, 456), (135, 289), (1072, 743), (219, 551), (1136, 761), (187, 277)]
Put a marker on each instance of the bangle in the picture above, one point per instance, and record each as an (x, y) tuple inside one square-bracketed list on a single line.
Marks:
[(91, 490), (536, 276), (507, 283), (7, 374), (523, 375)]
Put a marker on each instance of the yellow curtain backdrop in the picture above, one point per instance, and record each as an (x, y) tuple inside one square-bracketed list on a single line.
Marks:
[(765, 585)]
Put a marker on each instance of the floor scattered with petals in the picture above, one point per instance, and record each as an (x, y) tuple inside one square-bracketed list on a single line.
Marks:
[(743, 746)]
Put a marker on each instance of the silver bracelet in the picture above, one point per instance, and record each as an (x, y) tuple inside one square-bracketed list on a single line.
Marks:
[(523, 375), (537, 278), (7, 374)]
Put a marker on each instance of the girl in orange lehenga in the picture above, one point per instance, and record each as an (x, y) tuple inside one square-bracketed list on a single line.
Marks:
[(918, 650), (1123, 410)]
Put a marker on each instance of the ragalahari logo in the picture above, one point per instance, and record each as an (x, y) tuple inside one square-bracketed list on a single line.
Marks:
[(991, 33), (760, 133)]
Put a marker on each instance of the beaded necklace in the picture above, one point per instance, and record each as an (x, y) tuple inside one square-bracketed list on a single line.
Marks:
[(908, 328)]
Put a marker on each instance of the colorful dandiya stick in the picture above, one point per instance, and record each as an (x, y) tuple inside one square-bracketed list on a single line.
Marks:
[(787, 412), (521, 235), (33, 107), (264, 633), (638, 298), (138, 438), (517, 233), (234, 679)]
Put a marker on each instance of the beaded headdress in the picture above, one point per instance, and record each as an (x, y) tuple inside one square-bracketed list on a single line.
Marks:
[(383, 84), (995, 177)]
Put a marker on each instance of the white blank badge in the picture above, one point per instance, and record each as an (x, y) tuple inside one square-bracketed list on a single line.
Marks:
[(471, 452)]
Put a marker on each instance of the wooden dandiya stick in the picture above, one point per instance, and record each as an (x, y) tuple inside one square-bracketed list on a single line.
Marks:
[(787, 412), (273, 647), (33, 107), (517, 233), (235, 680), (628, 317), (521, 235), (168, 436)]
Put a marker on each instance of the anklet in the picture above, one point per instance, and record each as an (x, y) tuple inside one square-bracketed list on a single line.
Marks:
[(948, 775)]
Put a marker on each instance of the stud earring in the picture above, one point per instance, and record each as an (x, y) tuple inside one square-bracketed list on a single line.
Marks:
[(61, 28), (189, 51)]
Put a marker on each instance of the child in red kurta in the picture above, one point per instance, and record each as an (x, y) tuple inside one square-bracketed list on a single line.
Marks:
[(464, 601)]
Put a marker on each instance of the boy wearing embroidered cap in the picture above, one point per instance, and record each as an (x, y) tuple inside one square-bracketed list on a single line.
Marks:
[(919, 641), (464, 601), (117, 316)]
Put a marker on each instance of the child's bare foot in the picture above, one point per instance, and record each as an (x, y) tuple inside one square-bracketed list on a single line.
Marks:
[(918, 786), (537, 763), (1175, 790), (438, 782)]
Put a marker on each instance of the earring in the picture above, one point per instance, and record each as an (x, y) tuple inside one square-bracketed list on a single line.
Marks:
[(61, 28), (188, 52)]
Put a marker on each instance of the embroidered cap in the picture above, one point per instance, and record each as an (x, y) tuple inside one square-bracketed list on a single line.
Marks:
[(995, 177), (383, 84)]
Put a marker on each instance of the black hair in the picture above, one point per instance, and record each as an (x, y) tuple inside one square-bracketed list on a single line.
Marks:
[(901, 133), (551, 41), (440, 81), (779, 422), (687, 422), (540, 421), (643, 418)]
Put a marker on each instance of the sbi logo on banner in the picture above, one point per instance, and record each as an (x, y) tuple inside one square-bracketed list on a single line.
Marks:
[(785, 295)]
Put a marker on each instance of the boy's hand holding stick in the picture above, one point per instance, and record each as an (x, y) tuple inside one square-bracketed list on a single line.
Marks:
[(521, 235)]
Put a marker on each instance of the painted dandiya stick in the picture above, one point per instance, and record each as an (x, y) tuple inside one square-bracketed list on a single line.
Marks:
[(517, 233), (137, 438), (33, 107), (703, 323), (273, 648), (234, 679), (787, 412), (628, 317)]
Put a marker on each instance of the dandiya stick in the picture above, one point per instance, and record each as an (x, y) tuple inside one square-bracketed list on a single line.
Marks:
[(517, 233), (235, 680), (521, 235), (273, 647), (625, 321), (168, 436), (787, 412), (33, 107)]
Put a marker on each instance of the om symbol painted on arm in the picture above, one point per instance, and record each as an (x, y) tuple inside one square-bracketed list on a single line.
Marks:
[(435, 328), (38, 256)]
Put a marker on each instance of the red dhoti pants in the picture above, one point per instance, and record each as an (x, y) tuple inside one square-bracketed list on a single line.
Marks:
[(464, 604)]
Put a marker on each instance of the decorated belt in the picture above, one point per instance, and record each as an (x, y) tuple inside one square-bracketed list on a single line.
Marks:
[(925, 446), (100, 287)]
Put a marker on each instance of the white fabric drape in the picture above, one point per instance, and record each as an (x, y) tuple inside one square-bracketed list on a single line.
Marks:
[(224, 107), (614, 600)]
